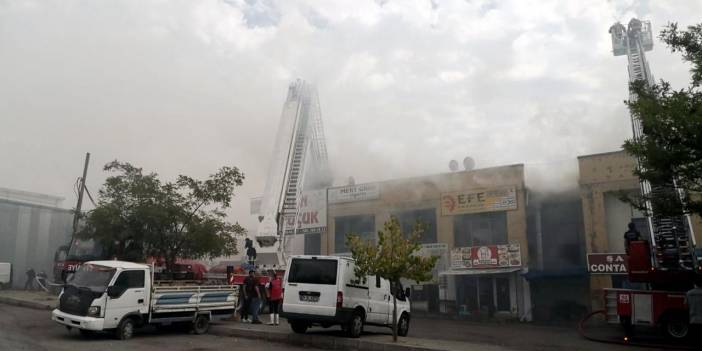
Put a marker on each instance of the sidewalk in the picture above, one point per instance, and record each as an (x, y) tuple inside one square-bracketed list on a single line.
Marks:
[(39, 300)]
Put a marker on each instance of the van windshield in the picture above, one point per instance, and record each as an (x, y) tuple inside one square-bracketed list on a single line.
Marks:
[(312, 271)]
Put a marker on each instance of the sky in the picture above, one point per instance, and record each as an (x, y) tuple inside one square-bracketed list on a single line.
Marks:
[(185, 87)]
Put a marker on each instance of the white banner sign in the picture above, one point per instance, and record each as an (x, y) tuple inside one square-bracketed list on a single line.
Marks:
[(351, 193), (312, 214)]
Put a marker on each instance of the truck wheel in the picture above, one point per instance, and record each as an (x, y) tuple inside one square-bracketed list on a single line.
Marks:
[(403, 325), (201, 324), (676, 327), (125, 329), (355, 327), (298, 327)]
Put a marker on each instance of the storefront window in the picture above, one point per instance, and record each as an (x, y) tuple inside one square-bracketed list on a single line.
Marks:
[(313, 244), (482, 295), (427, 217), (363, 225), (480, 229)]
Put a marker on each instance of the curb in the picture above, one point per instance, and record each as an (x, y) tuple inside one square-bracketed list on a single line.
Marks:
[(26, 304), (322, 342)]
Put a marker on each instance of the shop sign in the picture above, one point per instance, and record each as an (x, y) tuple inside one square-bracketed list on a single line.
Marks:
[(607, 263), (312, 214), (490, 256), (352, 193), (460, 202)]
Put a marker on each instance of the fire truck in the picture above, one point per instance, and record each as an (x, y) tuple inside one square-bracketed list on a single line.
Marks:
[(68, 258), (665, 265)]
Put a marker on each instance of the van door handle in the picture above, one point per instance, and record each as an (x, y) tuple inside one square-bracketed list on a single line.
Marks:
[(140, 301), (292, 284)]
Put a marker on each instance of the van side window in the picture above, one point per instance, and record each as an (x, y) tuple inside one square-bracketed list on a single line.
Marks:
[(398, 291), (377, 281)]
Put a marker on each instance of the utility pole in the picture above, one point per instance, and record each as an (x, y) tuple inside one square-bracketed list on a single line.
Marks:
[(76, 216)]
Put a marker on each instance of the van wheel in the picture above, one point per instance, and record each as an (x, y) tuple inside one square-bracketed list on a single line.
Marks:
[(298, 327), (125, 329), (403, 325), (201, 324), (676, 327), (355, 327)]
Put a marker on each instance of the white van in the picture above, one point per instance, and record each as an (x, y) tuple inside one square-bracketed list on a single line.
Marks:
[(324, 290)]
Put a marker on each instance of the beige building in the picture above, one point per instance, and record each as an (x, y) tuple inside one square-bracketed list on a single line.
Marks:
[(476, 222), (603, 179)]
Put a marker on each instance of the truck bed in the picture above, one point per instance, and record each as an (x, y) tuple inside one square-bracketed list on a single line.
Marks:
[(168, 301)]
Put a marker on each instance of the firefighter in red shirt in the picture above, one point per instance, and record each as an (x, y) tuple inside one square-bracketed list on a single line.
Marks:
[(274, 293)]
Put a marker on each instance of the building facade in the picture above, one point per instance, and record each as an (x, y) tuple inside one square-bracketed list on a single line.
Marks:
[(604, 178), (32, 228), (476, 221)]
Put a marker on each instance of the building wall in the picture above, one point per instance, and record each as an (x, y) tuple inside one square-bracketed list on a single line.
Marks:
[(424, 193), (602, 178), (30, 235)]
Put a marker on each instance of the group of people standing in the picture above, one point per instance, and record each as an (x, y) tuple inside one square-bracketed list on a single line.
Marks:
[(252, 294)]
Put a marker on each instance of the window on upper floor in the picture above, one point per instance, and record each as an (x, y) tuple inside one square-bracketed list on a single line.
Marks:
[(478, 229)]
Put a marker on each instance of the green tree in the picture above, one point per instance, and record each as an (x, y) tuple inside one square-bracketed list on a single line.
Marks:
[(671, 144), (138, 215), (393, 258)]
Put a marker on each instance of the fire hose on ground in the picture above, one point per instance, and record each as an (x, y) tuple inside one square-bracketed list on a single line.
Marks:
[(626, 339)]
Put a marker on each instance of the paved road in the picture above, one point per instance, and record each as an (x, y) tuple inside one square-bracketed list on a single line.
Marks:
[(524, 337), (28, 329)]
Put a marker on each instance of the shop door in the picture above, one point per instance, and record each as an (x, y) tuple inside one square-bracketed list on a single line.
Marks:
[(502, 286), (432, 296), (486, 295), (466, 295)]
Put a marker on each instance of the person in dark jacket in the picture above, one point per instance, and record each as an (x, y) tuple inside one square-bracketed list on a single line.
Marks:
[(31, 276), (252, 294), (631, 235)]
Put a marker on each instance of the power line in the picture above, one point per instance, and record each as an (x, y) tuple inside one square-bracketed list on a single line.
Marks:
[(90, 196)]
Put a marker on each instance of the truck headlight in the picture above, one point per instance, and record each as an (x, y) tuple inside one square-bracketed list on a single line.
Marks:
[(94, 311)]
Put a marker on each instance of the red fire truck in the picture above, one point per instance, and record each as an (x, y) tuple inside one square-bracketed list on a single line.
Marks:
[(662, 303)]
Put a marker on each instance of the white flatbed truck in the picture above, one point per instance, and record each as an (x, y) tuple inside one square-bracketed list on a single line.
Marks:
[(119, 296)]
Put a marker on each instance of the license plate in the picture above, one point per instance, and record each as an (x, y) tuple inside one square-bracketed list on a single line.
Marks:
[(309, 298)]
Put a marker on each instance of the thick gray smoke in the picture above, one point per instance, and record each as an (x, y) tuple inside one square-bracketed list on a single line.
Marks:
[(186, 87)]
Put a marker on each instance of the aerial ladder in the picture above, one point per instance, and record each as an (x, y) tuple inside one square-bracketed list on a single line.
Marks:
[(299, 162), (672, 244), (665, 265)]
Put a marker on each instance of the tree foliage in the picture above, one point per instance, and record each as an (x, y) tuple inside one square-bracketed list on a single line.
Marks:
[(671, 144), (138, 215), (394, 257)]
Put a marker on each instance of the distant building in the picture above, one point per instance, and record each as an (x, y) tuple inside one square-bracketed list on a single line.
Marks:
[(476, 221), (32, 227)]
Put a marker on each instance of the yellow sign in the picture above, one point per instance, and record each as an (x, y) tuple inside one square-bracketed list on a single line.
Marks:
[(460, 202)]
